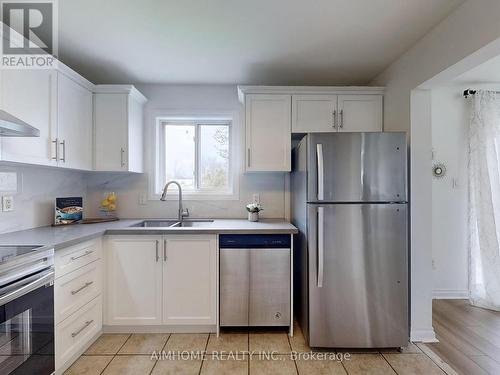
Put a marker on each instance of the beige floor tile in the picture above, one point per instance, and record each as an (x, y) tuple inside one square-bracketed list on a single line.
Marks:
[(413, 364), (223, 365), (298, 342), (177, 367), (107, 344), (187, 342), (320, 367), (89, 365), (130, 365), (228, 342), (269, 342), (144, 343), (369, 364), (283, 365)]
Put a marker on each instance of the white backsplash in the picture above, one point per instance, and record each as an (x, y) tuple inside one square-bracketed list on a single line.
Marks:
[(37, 189)]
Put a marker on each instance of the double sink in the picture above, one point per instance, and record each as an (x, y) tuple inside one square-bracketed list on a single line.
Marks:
[(173, 223)]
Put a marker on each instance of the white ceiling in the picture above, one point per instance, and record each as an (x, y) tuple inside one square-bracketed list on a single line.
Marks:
[(488, 72), (248, 42)]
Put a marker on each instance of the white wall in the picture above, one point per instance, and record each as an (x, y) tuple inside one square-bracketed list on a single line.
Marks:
[(469, 28), (450, 118), (37, 189), (196, 98)]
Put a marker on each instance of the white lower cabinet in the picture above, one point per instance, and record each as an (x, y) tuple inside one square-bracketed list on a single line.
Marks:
[(133, 280), (189, 276), (154, 280), (78, 300), (74, 334)]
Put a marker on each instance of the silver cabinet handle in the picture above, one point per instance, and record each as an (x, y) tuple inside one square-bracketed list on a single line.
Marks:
[(321, 244), (334, 118), (157, 253), (87, 323), (122, 159), (341, 119), (165, 250), (86, 285), (63, 144), (248, 157), (87, 252), (319, 154), (56, 145)]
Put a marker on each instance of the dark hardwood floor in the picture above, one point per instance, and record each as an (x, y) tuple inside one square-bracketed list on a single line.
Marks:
[(469, 337)]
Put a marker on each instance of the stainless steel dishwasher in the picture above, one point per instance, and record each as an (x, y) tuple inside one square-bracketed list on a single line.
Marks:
[(254, 280)]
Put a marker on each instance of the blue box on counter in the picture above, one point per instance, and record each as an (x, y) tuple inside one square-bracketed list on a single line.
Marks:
[(68, 210)]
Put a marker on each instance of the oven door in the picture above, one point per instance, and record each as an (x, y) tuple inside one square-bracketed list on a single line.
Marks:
[(27, 325)]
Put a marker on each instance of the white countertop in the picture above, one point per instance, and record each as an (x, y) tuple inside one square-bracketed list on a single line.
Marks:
[(63, 236)]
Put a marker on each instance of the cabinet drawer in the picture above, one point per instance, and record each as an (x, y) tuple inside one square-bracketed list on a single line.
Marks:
[(73, 334), (76, 288), (74, 257)]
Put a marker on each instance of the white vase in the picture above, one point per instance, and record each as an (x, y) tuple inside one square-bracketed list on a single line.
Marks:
[(253, 216)]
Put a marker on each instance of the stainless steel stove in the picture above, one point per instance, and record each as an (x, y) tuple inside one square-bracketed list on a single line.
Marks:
[(26, 310)]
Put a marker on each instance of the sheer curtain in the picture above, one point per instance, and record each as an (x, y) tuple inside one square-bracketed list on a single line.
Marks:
[(484, 201)]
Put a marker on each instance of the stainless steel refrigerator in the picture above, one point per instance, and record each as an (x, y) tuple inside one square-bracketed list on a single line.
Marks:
[(349, 201)]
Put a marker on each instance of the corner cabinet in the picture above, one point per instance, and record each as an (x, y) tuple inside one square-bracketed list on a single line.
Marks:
[(161, 280), (267, 130), (118, 119)]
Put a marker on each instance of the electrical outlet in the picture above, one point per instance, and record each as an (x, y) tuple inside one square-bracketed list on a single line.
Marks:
[(7, 203), (256, 198), (143, 199)]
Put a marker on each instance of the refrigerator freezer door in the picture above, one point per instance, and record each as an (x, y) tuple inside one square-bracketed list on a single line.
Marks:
[(357, 167), (360, 300)]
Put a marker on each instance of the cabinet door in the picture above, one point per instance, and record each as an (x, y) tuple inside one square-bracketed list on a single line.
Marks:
[(360, 113), (314, 113), (28, 95), (190, 289), (74, 124), (268, 133), (134, 280), (110, 111)]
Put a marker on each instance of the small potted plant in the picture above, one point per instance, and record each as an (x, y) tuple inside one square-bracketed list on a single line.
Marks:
[(253, 211)]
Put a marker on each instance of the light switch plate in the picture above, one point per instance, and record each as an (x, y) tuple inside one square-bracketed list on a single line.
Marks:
[(7, 203), (8, 182)]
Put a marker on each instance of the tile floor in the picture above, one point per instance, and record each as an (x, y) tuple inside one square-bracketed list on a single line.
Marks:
[(131, 354)]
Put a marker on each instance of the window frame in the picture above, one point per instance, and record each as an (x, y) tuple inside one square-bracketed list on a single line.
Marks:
[(157, 175)]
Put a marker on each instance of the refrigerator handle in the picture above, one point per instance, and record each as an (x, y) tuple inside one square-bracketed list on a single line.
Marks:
[(319, 154), (321, 244)]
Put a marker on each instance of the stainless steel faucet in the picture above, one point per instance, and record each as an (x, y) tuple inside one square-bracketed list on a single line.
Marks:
[(182, 213)]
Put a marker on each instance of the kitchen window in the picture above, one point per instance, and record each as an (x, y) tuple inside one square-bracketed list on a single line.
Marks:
[(197, 153)]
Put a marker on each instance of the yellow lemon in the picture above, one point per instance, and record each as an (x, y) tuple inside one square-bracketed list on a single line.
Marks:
[(112, 197), (112, 207), (104, 203)]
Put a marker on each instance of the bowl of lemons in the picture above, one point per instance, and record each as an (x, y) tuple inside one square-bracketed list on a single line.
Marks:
[(108, 204)]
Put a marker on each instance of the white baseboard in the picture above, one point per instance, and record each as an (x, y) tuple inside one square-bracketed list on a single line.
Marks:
[(450, 294), (423, 335)]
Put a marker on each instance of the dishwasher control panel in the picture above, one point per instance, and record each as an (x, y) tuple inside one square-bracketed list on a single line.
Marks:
[(254, 241)]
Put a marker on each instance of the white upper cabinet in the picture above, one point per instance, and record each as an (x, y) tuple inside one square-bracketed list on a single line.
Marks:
[(336, 113), (360, 113), (314, 113), (118, 117), (29, 95), (268, 129), (74, 123)]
